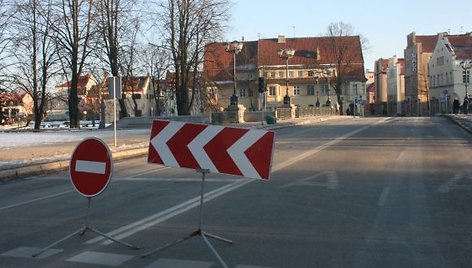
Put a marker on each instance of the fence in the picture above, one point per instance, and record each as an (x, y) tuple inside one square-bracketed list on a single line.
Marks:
[(313, 111)]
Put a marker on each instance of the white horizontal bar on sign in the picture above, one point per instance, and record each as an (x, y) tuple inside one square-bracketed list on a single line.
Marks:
[(90, 167)]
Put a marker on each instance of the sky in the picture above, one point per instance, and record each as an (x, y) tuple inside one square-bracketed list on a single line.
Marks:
[(385, 24)]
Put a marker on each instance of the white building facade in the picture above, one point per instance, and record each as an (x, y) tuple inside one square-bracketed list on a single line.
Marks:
[(445, 74), (395, 86)]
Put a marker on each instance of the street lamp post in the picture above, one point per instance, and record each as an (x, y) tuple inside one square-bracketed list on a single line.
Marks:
[(234, 47), (466, 65), (327, 73), (286, 54)]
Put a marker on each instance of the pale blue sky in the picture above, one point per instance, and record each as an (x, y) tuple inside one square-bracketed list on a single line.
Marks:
[(384, 23)]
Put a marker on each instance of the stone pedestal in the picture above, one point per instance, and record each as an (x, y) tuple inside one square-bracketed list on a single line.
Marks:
[(292, 108), (236, 113)]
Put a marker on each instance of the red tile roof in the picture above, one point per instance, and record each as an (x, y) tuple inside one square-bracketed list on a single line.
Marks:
[(428, 42), (462, 46), (306, 50), (218, 63), (6, 97), (81, 85)]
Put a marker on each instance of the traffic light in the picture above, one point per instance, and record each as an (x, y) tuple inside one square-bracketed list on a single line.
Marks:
[(261, 85)]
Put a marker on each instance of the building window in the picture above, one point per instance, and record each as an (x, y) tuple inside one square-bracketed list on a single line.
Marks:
[(272, 74), (310, 90), (296, 90), (272, 91), (465, 76), (281, 74), (242, 92), (311, 73), (324, 89), (250, 92), (440, 61), (300, 73), (354, 89), (290, 74)]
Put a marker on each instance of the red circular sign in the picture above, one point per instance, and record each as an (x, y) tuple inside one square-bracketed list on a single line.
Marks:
[(91, 167)]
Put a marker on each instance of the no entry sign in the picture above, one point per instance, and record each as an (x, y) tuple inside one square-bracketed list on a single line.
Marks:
[(91, 167)]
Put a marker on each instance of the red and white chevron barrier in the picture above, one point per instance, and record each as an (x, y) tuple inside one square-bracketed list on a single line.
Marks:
[(229, 150)]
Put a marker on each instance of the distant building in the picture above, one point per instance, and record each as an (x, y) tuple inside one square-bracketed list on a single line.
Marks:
[(380, 80), (15, 105), (370, 91), (396, 86), (417, 54), (60, 99), (445, 73), (194, 94)]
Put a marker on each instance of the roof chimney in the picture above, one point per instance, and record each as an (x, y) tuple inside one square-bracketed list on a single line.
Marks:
[(281, 39)]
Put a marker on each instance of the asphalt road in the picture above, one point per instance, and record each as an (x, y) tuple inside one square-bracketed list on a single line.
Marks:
[(364, 192)]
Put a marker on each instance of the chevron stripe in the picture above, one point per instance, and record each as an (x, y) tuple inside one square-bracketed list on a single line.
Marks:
[(228, 150)]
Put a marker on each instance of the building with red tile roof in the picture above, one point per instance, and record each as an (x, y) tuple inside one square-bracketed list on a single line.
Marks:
[(446, 75), (15, 105), (312, 71), (85, 82)]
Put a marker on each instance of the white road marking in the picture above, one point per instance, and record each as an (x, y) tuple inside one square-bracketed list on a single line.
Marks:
[(322, 147), (166, 263), (452, 184), (330, 183), (90, 166), (36, 199), (175, 179), (159, 217), (100, 258), (383, 197)]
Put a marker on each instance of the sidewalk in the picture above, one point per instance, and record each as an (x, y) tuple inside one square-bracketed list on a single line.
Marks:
[(27, 153), (463, 120)]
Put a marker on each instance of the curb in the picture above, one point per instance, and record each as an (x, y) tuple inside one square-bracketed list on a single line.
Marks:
[(36, 169), (459, 123)]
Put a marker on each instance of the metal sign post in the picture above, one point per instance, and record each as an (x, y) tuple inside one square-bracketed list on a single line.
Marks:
[(114, 91), (199, 232), (90, 172)]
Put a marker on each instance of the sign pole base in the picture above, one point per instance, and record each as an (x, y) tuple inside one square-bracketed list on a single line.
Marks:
[(81, 232), (199, 232)]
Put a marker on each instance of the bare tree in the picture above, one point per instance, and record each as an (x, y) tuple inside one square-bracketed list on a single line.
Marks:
[(129, 58), (35, 53), (119, 26), (116, 17), (157, 62), (187, 26), (74, 32), (7, 13), (346, 50)]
